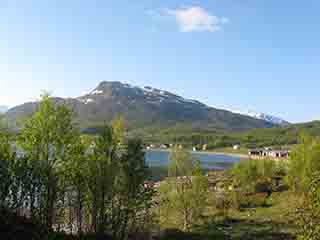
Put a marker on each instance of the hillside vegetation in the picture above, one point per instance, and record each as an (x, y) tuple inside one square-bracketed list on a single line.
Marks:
[(217, 139)]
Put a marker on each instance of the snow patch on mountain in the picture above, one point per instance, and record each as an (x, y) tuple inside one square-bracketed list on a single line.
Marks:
[(153, 95), (158, 96), (88, 100), (85, 100), (164, 95), (262, 116), (96, 92)]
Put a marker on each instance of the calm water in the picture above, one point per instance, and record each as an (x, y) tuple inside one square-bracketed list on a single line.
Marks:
[(208, 161)]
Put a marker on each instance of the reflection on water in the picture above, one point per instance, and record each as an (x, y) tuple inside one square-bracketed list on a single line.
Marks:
[(208, 161)]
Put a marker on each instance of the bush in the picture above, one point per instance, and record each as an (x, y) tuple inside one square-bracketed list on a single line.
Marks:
[(255, 200), (228, 200), (281, 188), (263, 187), (223, 201)]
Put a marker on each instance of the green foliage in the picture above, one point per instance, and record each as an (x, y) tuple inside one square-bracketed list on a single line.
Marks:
[(75, 177), (118, 200), (181, 163), (256, 175), (46, 140), (6, 158), (254, 200), (101, 177), (255, 180), (184, 194), (304, 179), (217, 138), (309, 214), (82, 184), (304, 161), (134, 199), (226, 200)]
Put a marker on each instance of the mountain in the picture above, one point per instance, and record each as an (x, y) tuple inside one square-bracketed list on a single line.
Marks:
[(144, 108), (263, 116), (3, 109)]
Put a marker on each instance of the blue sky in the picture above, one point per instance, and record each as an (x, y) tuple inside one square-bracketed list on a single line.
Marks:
[(235, 54)]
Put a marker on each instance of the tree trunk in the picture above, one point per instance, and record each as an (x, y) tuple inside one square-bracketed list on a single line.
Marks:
[(32, 202), (94, 214), (79, 212)]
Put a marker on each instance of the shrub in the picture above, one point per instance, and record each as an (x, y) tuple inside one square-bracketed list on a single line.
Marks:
[(255, 200), (263, 186)]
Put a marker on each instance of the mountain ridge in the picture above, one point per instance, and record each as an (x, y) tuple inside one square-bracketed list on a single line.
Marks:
[(263, 116), (143, 107)]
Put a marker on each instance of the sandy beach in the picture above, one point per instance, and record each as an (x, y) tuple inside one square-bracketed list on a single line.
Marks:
[(239, 155)]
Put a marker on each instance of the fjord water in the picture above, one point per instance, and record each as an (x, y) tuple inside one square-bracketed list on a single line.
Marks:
[(208, 160)]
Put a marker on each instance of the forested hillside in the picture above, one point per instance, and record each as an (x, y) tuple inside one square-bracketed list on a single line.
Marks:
[(262, 137)]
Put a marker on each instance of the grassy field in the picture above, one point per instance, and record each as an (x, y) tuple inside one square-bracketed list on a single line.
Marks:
[(271, 222), (275, 222)]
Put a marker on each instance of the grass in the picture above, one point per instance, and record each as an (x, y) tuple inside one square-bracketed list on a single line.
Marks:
[(276, 221), (272, 222), (250, 230)]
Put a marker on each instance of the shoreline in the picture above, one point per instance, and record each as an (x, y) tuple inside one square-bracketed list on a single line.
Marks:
[(238, 155)]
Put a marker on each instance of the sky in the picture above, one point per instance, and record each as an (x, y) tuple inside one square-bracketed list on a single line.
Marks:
[(234, 54)]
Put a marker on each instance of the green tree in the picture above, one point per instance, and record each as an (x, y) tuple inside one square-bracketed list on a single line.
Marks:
[(304, 179), (6, 156), (184, 193), (118, 200), (133, 199), (46, 139), (103, 167), (249, 174), (76, 179), (309, 214), (17, 177), (181, 163), (304, 161), (119, 129)]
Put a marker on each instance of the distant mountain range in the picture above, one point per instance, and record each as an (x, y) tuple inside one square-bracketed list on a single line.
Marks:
[(147, 107), (263, 116), (3, 109)]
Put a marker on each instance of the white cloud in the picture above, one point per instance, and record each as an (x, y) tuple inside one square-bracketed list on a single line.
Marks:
[(196, 18)]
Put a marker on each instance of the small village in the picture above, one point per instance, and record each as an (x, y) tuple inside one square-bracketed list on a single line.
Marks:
[(268, 153)]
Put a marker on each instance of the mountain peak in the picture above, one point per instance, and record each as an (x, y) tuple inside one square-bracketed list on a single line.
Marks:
[(146, 107), (124, 92), (115, 89), (110, 88), (108, 84)]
